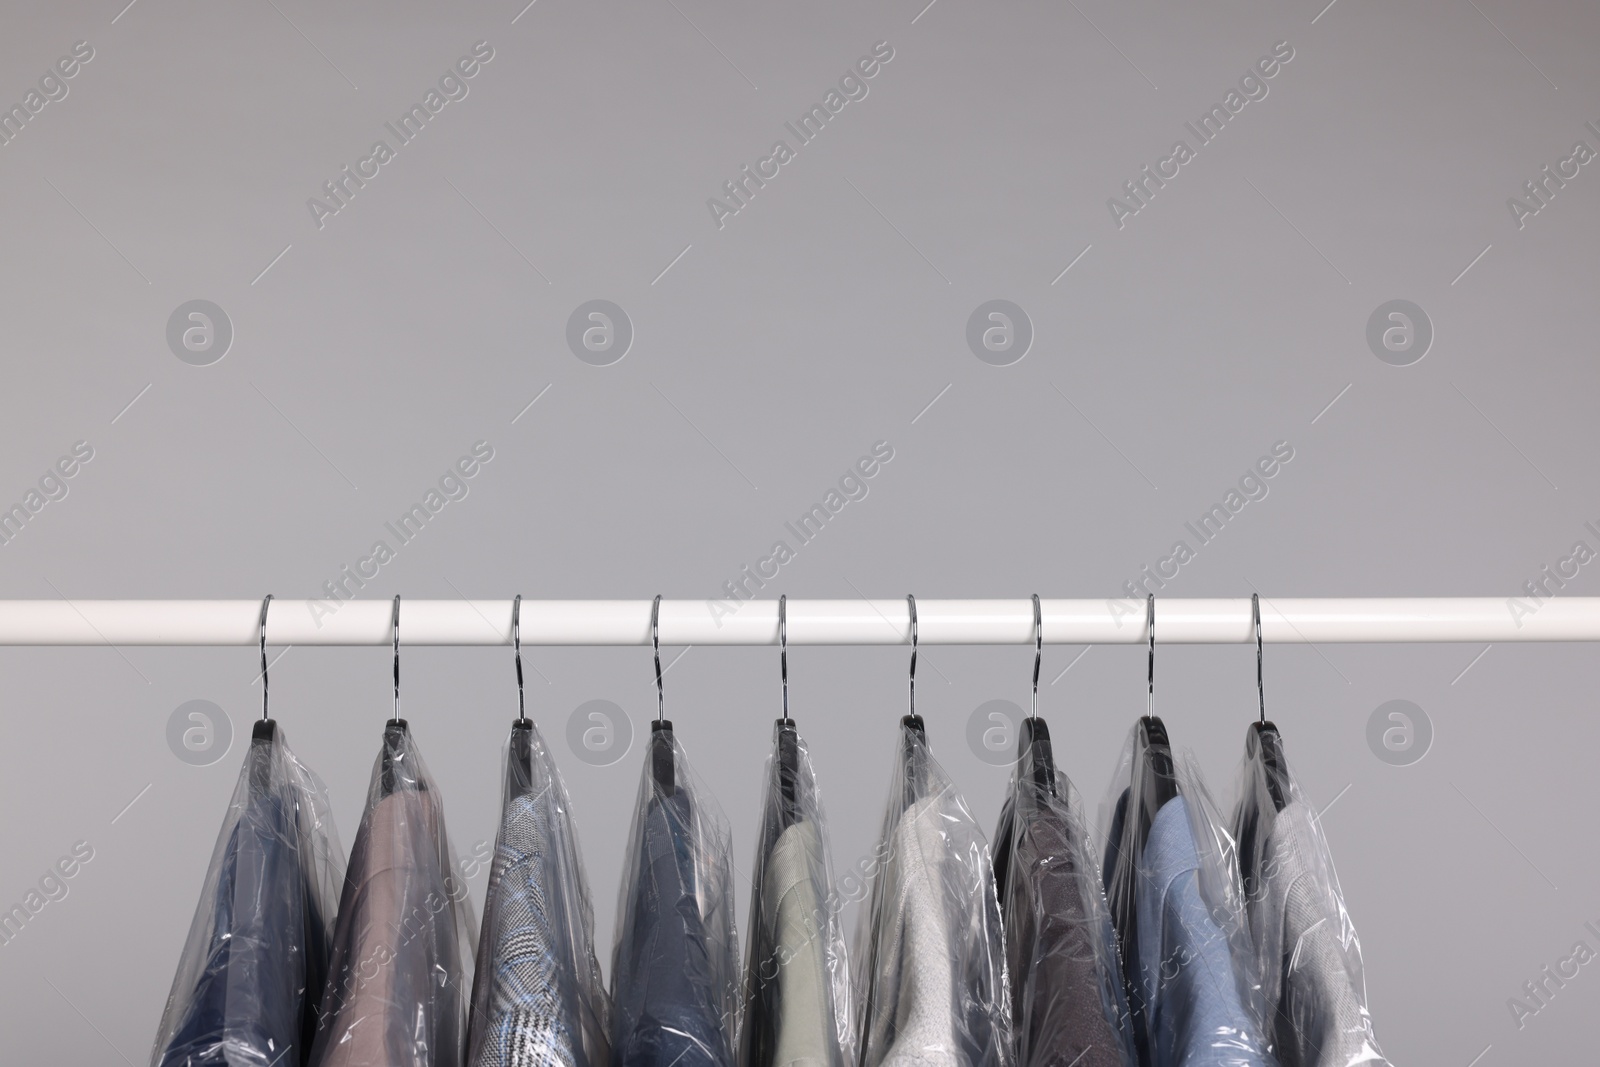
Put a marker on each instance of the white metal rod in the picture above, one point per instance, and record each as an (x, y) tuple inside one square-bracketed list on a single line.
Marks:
[(810, 622)]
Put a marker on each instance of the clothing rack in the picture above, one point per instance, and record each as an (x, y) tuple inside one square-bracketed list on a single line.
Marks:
[(810, 622)]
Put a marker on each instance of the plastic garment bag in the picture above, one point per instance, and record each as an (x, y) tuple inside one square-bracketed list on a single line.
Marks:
[(1308, 957), (1186, 952), (796, 1008), (395, 995), (931, 952), (252, 970), (1067, 1000), (675, 967), (537, 995)]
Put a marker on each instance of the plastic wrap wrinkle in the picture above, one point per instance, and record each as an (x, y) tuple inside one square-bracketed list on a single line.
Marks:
[(1307, 954), (250, 976), (537, 993), (933, 980), (396, 994), (796, 1006), (1068, 1006), (675, 972)]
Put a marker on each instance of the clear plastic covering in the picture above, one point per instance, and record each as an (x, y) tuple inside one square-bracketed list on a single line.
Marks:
[(1068, 1004), (252, 970), (931, 956), (1308, 957), (675, 967), (1178, 910), (404, 940), (537, 994), (797, 990)]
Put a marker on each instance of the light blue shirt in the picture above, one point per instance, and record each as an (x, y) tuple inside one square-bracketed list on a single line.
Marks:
[(1195, 1015)]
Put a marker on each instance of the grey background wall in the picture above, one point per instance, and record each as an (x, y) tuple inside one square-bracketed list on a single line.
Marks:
[(359, 352)]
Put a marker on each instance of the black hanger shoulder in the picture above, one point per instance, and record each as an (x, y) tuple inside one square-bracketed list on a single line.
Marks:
[(265, 732), (914, 740), (1160, 780), (789, 771), (396, 736), (520, 778), (1035, 756), (663, 763), (1264, 744)]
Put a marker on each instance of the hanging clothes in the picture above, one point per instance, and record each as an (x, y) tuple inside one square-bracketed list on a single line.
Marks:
[(537, 995), (1067, 1000), (1307, 953), (675, 967), (396, 995), (933, 980), (251, 973), (1185, 949), (796, 1007)]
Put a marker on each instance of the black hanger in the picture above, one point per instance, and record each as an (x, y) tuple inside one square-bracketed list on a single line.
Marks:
[(1154, 783), (912, 721), (396, 733), (1152, 749), (663, 765), (913, 733), (521, 781), (1253, 821), (1263, 742), (1263, 753), (1158, 783), (265, 729), (1035, 757), (788, 736)]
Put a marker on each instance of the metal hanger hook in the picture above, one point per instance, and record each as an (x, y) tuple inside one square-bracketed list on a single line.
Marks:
[(1038, 652), (1255, 614), (516, 643), (783, 650), (655, 644), (911, 601), (394, 626), (1150, 677), (262, 627)]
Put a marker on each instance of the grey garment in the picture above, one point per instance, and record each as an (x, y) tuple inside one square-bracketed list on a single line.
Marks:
[(530, 1015), (804, 1027), (1320, 1017), (394, 995), (1194, 1011), (1060, 950), (913, 1017)]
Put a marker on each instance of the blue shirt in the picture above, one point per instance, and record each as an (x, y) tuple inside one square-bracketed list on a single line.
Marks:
[(1195, 1015)]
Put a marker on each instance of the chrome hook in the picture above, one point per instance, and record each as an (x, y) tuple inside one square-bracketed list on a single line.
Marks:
[(262, 627), (1255, 614), (394, 626), (1150, 626), (516, 642), (1038, 653), (783, 650), (911, 601), (655, 644)]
